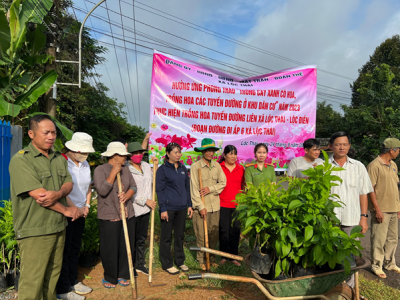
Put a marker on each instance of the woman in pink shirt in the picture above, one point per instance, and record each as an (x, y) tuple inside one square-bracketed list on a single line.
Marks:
[(229, 234)]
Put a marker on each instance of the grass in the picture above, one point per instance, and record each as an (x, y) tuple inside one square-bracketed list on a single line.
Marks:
[(377, 290)]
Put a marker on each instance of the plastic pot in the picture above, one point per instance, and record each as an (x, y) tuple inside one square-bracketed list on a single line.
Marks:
[(3, 283), (88, 260), (260, 262), (13, 278)]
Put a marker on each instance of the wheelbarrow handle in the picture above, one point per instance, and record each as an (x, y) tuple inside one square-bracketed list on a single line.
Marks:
[(216, 252), (195, 276)]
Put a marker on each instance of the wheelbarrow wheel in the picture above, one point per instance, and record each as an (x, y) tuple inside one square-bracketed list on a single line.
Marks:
[(340, 292)]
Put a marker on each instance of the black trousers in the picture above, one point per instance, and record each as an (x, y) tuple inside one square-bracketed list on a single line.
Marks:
[(113, 249), (176, 221), (69, 271), (229, 234), (142, 228)]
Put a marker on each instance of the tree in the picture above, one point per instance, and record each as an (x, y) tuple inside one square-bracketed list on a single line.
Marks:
[(378, 117), (386, 53), (328, 120)]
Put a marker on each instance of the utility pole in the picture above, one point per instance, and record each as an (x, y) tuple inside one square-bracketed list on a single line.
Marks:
[(49, 97)]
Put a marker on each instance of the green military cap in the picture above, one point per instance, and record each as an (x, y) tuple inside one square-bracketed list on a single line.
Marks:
[(206, 144), (391, 143)]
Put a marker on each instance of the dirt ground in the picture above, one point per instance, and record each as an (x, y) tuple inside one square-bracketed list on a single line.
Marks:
[(177, 287)]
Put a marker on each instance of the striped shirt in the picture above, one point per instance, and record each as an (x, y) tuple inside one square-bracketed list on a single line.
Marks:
[(356, 182), (144, 182)]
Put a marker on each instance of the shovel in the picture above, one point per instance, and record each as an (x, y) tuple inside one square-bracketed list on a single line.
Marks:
[(155, 166), (128, 245)]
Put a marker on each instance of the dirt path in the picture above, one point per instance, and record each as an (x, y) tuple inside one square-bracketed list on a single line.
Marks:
[(177, 287)]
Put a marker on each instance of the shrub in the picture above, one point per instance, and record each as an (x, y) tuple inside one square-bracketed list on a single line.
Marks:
[(298, 225)]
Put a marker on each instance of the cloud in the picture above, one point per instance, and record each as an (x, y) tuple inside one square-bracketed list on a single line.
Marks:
[(337, 36)]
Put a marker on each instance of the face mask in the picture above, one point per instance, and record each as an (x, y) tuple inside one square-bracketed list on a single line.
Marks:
[(80, 157), (136, 159)]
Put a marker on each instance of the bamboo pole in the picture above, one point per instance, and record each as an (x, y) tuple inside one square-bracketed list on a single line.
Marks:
[(357, 288), (205, 226), (128, 245), (151, 256)]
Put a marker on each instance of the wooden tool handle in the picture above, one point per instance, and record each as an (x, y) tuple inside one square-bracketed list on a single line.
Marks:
[(128, 244), (152, 226), (205, 225)]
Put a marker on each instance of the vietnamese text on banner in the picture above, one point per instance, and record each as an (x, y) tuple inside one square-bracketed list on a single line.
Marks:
[(191, 101)]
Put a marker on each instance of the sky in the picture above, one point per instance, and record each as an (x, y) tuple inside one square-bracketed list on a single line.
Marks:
[(337, 36)]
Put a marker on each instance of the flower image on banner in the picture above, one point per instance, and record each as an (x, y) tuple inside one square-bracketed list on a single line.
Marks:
[(190, 102)]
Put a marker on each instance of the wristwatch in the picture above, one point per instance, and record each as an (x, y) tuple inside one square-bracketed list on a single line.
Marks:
[(364, 215), (87, 205)]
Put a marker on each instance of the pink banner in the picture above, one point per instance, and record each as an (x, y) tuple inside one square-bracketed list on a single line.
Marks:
[(191, 101)]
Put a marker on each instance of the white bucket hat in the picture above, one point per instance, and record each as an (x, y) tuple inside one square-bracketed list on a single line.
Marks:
[(80, 142), (116, 148)]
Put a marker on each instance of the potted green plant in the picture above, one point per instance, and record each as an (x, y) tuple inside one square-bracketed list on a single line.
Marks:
[(9, 254), (297, 226), (90, 239)]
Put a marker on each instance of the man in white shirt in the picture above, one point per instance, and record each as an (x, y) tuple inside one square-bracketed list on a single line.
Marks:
[(299, 164), (353, 190)]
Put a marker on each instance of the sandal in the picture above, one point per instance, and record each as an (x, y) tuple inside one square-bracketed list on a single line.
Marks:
[(395, 269), (222, 261), (184, 268), (235, 262), (172, 271), (123, 282), (379, 273), (104, 282)]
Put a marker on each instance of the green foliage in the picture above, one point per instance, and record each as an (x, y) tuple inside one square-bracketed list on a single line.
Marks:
[(387, 53), (9, 251), (21, 52), (91, 237), (328, 120), (379, 116), (298, 225)]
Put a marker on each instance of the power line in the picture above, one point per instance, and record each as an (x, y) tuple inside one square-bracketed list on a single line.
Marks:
[(227, 38), (190, 41), (136, 61), (119, 70), (124, 28), (127, 66)]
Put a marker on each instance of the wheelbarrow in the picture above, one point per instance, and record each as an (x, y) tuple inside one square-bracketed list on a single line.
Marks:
[(326, 286)]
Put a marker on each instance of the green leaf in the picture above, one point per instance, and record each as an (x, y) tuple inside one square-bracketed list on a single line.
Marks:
[(278, 248), (274, 214), (285, 249), (17, 29), (36, 89), (278, 268), (356, 229), (308, 233), (292, 235), (250, 221), (6, 108), (87, 277), (5, 37), (347, 266), (295, 204), (34, 11), (285, 266)]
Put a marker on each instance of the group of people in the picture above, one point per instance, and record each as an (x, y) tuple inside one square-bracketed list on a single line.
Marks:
[(47, 185)]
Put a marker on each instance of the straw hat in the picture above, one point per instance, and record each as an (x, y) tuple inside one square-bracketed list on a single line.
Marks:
[(80, 142), (116, 148)]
